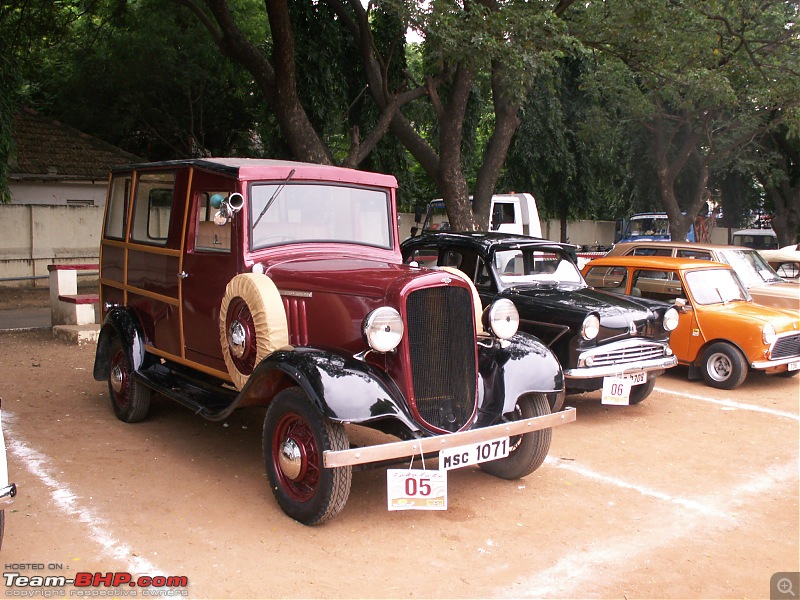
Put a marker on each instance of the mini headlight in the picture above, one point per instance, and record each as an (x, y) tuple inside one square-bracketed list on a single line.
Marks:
[(503, 318), (590, 327), (383, 329), (768, 334), (671, 318)]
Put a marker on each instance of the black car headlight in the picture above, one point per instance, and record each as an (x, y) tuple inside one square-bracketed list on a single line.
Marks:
[(590, 327), (671, 317)]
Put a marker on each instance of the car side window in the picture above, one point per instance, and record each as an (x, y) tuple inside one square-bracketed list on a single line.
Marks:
[(651, 251), (117, 209), (424, 257), (208, 235), (152, 208), (657, 285), (609, 279), (483, 279), (696, 254)]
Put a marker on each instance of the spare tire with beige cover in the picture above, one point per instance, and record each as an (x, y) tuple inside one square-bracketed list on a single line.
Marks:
[(252, 324)]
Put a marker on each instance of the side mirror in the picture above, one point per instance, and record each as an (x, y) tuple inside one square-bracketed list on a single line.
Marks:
[(682, 305), (228, 207)]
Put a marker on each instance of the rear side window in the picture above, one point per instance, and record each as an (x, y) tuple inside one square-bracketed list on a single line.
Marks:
[(696, 254), (650, 251), (152, 208), (117, 209)]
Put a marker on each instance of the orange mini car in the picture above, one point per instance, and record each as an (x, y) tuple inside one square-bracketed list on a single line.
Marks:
[(721, 332)]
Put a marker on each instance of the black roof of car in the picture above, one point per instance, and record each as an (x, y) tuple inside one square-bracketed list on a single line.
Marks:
[(486, 240)]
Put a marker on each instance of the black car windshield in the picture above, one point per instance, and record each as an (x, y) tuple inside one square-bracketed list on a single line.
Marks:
[(298, 212), (533, 266), (750, 266), (715, 286)]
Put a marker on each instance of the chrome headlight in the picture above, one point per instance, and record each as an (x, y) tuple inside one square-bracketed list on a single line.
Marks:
[(590, 327), (768, 334), (502, 318), (383, 329), (671, 317)]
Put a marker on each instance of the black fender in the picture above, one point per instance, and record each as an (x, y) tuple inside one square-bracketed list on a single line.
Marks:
[(120, 323), (511, 369), (343, 388)]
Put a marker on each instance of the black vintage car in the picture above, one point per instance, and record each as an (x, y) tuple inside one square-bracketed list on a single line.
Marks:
[(595, 335)]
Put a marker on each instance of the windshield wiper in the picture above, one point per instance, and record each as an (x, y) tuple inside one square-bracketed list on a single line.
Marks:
[(274, 196)]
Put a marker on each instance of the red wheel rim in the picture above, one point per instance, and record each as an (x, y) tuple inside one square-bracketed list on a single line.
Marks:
[(293, 430), (241, 332)]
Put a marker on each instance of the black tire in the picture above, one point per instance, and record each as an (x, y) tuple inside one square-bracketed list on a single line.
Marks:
[(527, 451), (788, 373), (557, 400), (295, 436), (724, 367), (130, 399), (640, 392)]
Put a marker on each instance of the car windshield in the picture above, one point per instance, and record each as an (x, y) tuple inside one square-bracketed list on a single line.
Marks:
[(750, 266), (715, 286), (648, 226), (520, 266), (298, 212)]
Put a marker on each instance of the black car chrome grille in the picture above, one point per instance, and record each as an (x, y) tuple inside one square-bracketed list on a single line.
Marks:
[(442, 345), (628, 354), (786, 347)]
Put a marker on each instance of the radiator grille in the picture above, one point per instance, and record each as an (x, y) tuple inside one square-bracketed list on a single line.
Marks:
[(628, 354), (442, 346), (786, 347)]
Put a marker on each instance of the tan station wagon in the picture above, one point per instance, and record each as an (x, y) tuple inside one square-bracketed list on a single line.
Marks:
[(764, 284)]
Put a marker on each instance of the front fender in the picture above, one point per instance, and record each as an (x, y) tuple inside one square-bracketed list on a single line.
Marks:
[(120, 323), (343, 388), (510, 370)]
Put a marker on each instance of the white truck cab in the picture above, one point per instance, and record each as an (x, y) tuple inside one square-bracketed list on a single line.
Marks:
[(510, 213)]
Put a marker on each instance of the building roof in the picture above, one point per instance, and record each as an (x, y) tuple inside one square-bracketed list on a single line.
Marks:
[(44, 148)]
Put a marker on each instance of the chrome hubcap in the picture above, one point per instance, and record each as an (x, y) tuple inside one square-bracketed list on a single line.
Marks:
[(719, 367), (237, 339), (117, 379), (290, 459)]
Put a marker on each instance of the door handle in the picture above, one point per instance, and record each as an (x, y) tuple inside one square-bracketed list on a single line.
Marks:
[(183, 275)]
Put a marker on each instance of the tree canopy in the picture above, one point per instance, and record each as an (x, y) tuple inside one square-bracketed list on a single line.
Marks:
[(597, 108)]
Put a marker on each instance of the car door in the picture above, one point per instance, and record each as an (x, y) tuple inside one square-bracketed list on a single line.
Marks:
[(210, 261)]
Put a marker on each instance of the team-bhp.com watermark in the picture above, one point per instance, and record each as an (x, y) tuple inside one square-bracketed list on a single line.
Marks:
[(31, 583)]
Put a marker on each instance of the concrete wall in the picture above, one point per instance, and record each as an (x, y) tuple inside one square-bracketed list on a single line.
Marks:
[(34, 236), (58, 192)]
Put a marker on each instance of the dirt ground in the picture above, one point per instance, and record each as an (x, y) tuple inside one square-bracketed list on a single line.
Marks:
[(692, 494)]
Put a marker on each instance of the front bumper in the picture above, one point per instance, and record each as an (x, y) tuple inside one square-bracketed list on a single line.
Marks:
[(768, 364), (394, 450), (621, 358)]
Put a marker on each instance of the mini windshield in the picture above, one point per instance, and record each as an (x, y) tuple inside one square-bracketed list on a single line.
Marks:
[(715, 286), (301, 212), (750, 266), (536, 267)]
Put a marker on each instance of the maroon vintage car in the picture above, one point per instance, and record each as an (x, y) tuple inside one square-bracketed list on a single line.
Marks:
[(230, 283)]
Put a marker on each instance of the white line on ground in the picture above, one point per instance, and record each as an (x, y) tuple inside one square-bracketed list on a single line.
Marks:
[(575, 573), (691, 504), (732, 404), (39, 466)]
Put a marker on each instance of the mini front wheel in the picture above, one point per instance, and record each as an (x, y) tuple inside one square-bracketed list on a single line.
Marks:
[(529, 450), (295, 437), (724, 367)]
